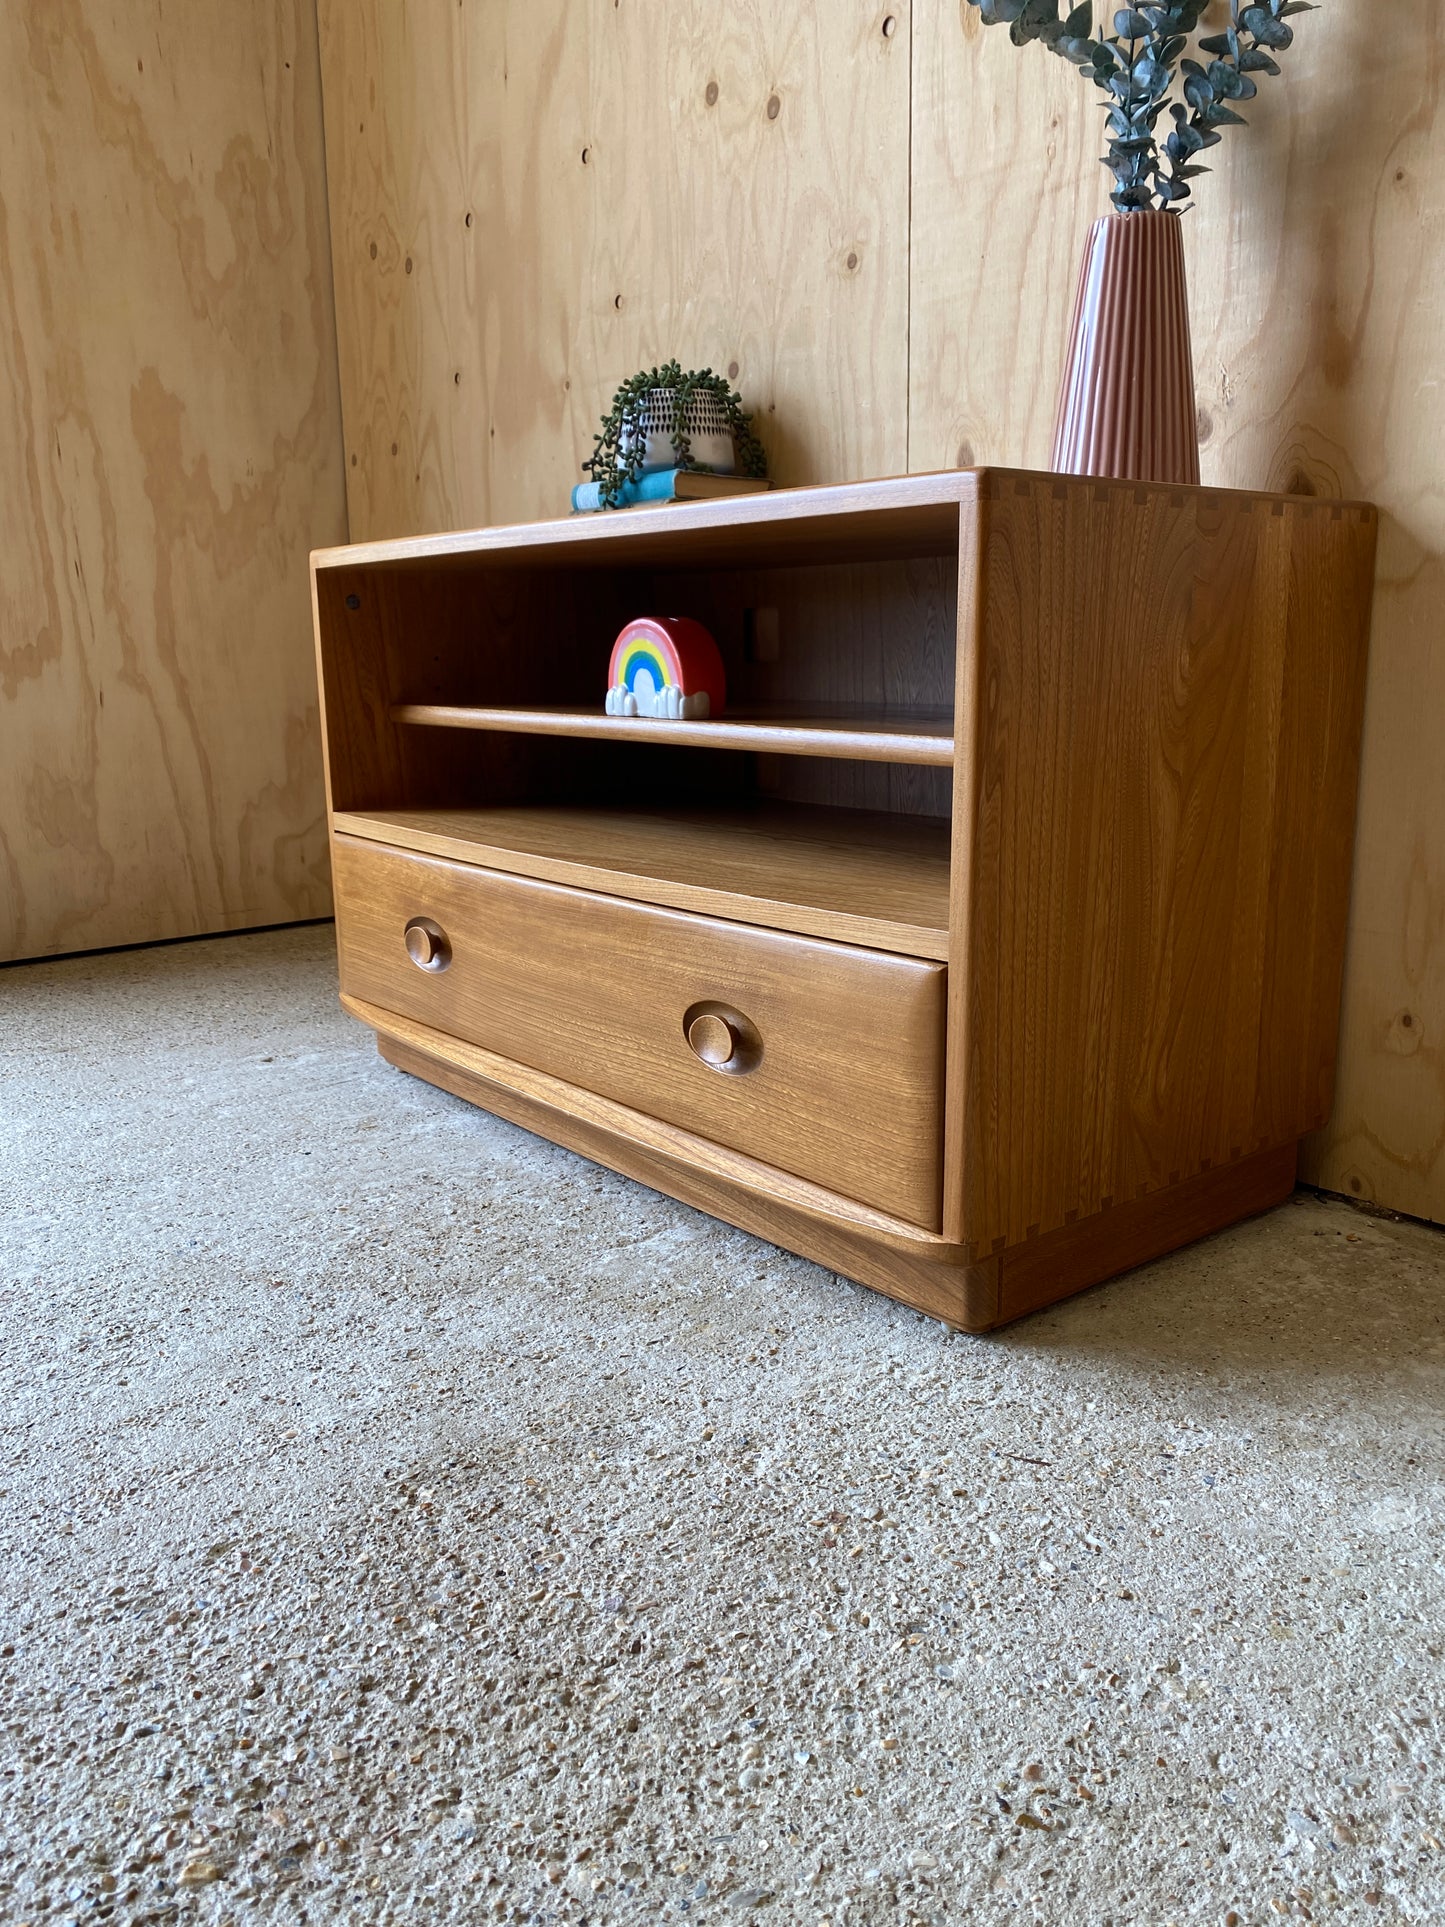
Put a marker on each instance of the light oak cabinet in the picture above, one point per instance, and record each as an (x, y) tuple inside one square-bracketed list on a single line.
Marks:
[(989, 944)]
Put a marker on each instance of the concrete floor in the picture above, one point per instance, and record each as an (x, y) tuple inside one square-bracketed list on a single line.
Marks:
[(403, 1519)]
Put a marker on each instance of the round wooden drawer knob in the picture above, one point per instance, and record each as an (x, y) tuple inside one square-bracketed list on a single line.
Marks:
[(427, 944), (713, 1039), (722, 1038)]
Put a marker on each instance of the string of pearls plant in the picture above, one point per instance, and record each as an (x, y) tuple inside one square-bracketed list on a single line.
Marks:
[(683, 397)]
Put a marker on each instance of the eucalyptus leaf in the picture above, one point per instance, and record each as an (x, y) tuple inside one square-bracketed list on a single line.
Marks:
[(1229, 83), (1199, 93)]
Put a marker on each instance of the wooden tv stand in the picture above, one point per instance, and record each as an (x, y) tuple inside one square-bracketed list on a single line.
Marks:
[(989, 944)]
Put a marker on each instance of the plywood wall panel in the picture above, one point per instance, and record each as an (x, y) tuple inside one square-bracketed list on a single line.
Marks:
[(1005, 183), (412, 100), (1317, 267), (169, 417), (729, 184)]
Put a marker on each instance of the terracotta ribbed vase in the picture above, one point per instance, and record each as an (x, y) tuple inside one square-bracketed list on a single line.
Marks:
[(1126, 408)]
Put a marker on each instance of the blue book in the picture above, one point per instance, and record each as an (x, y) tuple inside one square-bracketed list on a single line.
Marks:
[(667, 485), (657, 487)]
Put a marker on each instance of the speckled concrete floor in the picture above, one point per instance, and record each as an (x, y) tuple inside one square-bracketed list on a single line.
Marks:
[(404, 1519)]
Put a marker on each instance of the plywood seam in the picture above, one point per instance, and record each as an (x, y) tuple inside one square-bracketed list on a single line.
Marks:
[(335, 341), (908, 263)]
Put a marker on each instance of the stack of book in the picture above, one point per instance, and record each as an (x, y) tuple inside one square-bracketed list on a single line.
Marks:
[(668, 485)]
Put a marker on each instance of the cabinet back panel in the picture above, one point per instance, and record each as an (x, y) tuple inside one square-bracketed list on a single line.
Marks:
[(878, 633)]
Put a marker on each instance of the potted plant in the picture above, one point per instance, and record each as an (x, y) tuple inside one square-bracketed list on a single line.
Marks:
[(1127, 404), (666, 418)]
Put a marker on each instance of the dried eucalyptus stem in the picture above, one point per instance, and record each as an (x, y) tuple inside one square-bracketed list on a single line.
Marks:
[(1137, 67)]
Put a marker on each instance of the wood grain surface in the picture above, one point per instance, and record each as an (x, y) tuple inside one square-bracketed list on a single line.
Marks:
[(878, 633), (169, 451), (902, 516), (1134, 1232), (875, 879), (592, 989), (530, 201), (1153, 830), (861, 734)]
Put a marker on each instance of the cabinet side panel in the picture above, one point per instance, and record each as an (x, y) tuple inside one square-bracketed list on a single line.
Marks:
[(362, 745), (1165, 758), (973, 526)]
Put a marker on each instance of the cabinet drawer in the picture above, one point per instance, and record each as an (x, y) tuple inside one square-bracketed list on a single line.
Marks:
[(819, 1058)]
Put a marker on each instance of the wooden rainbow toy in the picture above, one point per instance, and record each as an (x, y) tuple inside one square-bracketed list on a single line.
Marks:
[(668, 667)]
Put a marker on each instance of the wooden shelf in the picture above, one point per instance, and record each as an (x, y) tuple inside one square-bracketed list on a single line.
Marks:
[(859, 734), (851, 522), (854, 876)]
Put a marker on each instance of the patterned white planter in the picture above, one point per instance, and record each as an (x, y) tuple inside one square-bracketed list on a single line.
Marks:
[(654, 416)]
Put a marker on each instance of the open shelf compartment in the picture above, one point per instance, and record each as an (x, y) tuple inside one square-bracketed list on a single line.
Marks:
[(464, 679)]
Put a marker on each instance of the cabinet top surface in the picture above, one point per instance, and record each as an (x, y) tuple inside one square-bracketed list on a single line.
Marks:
[(917, 513)]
